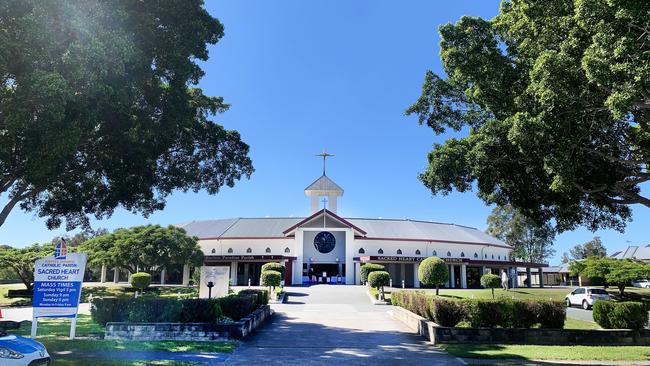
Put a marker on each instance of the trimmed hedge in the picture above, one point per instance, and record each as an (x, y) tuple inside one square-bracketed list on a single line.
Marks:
[(140, 280), (505, 313), (167, 310), (20, 293), (620, 315), (270, 278), (262, 296), (366, 269), (273, 266)]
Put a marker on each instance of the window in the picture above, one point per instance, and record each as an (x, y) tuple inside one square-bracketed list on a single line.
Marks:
[(287, 250), (399, 251), (485, 256), (268, 250), (598, 291), (462, 254), (362, 251), (229, 250), (499, 257), (579, 291), (380, 251), (448, 254), (492, 256), (475, 255), (249, 250), (417, 252)]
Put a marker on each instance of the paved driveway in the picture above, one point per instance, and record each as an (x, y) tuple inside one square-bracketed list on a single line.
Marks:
[(326, 324)]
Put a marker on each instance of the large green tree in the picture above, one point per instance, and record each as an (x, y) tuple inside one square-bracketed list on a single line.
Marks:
[(555, 99), (20, 261), (532, 242), (592, 248), (143, 248), (99, 108), (615, 272)]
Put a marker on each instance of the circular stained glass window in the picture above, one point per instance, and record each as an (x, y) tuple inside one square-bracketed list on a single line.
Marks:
[(324, 242)]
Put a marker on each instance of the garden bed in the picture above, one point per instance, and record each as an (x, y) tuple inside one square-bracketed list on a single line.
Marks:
[(220, 331), (437, 334)]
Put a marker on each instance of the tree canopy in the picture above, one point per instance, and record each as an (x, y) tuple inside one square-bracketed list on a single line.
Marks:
[(433, 272), (99, 108), (615, 272), (592, 248), (20, 261), (143, 248), (555, 97), (531, 241)]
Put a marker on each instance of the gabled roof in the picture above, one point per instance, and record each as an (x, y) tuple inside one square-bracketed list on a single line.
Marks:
[(641, 252), (329, 213), (324, 184)]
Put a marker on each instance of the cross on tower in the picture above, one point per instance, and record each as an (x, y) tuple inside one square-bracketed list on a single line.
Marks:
[(325, 155), (324, 201)]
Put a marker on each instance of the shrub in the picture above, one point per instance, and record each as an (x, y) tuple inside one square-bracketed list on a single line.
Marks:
[(488, 313), (270, 279), (433, 272), (200, 311), (600, 313), (368, 268), (140, 280), (417, 302), (110, 309), (236, 307), (621, 315), (262, 296), (20, 293), (490, 281), (273, 266), (379, 279), (154, 310), (523, 314), (551, 314), (447, 313)]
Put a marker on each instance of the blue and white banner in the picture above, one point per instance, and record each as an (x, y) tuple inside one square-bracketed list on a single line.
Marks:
[(57, 284)]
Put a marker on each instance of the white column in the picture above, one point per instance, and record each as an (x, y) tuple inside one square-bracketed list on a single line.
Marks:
[(357, 273), (453, 279), (116, 275), (102, 277), (314, 204), (163, 274), (463, 276), (349, 255), (297, 265), (186, 275), (416, 279), (233, 273)]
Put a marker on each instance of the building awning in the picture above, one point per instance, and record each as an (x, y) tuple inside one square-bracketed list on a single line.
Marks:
[(230, 258), (381, 258), (330, 214)]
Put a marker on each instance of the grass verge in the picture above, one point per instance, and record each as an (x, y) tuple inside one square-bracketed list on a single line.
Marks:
[(533, 352)]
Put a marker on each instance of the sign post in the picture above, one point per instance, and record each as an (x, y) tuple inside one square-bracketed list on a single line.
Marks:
[(57, 286)]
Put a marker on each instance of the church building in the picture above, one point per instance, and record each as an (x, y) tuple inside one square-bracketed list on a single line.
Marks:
[(327, 248)]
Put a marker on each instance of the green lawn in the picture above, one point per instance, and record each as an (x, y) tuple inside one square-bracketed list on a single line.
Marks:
[(609, 353), (571, 323), (53, 333), (4, 300)]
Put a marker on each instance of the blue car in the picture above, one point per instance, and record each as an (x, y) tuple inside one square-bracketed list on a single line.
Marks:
[(20, 351)]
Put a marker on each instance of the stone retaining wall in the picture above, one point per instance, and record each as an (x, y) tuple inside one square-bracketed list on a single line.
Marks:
[(593, 337), (188, 331)]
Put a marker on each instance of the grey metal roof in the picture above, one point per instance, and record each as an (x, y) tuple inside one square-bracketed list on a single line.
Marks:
[(375, 228), (641, 252), (324, 184)]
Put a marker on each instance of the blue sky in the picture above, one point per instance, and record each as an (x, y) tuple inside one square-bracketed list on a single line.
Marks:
[(306, 75)]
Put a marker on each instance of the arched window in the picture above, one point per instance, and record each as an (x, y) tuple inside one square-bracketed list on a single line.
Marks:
[(448, 254), (287, 250), (268, 250), (462, 254), (214, 251), (492, 256), (249, 250), (499, 257), (399, 251), (362, 251), (417, 252), (475, 255), (485, 255), (229, 250), (380, 251)]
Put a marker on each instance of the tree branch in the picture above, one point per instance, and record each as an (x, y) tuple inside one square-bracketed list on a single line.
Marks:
[(18, 196)]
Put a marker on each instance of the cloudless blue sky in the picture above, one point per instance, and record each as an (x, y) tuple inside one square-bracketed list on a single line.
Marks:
[(306, 75)]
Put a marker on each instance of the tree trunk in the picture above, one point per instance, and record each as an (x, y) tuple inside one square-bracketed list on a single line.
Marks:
[(621, 288), (437, 289), (492, 292)]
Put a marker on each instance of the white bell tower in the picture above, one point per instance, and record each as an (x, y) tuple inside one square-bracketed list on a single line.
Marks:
[(324, 187)]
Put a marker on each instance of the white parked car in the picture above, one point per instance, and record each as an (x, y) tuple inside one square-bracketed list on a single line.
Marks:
[(20, 351), (641, 283), (585, 297)]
